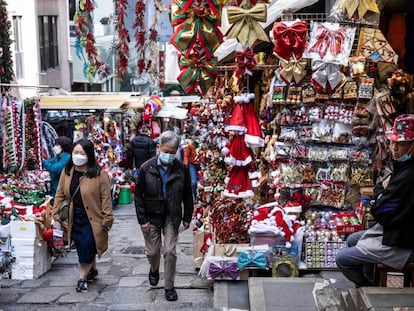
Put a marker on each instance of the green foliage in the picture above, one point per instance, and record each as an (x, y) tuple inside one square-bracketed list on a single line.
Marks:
[(6, 62)]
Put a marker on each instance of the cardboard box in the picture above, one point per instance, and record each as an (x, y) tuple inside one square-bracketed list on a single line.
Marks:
[(228, 249), (198, 256)]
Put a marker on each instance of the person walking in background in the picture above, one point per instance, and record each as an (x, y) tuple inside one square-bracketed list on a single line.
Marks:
[(390, 241), (163, 200), (90, 212), (55, 165), (142, 147), (191, 159)]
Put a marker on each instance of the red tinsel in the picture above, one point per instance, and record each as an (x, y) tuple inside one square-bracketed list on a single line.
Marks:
[(123, 36), (139, 26)]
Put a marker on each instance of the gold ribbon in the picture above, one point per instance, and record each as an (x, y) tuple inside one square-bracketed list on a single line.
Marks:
[(246, 27), (293, 70), (197, 71), (196, 25), (363, 6)]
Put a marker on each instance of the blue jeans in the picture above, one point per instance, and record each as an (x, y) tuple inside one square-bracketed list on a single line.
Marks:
[(194, 178)]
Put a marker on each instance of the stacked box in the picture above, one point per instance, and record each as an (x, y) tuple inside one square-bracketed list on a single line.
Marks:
[(32, 258), (321, 255)]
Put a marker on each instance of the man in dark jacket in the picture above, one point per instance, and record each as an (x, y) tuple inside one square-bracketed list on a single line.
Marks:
[(163, 200), (142, 147), (390, 241)]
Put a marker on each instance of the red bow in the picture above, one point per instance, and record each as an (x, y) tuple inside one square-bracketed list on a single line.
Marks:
[(328, 39), (245, 62), (290, 39)]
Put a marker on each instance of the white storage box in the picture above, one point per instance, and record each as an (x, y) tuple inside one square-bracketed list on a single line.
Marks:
[(5, 230), (23, 229), (19, 245)]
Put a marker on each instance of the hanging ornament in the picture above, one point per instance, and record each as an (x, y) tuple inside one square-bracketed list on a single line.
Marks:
[(123, 39)]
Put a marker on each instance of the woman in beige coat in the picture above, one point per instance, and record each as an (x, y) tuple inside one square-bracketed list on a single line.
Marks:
[(90, 212)]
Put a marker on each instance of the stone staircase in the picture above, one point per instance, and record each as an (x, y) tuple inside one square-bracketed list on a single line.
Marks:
[(378, 298)]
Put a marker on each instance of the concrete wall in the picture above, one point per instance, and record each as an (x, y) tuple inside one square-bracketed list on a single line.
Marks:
[(58, 77)]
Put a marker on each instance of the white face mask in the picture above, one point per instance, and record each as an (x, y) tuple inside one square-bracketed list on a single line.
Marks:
[(57, 149), (79, 160)]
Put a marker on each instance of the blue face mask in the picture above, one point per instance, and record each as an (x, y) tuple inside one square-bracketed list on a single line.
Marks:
[(166, 158), (404, 158)]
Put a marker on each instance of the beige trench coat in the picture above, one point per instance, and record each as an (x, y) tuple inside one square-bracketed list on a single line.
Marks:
[(96, 197)]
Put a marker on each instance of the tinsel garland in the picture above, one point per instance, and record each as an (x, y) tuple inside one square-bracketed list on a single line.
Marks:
[(123, 39), (86, 40), (139, 26), (6, 62)]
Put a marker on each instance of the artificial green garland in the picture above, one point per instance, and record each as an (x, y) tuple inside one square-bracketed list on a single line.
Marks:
[(6, 62)]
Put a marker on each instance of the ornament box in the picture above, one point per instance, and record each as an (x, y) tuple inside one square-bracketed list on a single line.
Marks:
[(269, 239), (347, 223), (321, 254)]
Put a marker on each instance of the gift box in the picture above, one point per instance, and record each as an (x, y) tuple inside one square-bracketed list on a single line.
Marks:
[(228, 249)]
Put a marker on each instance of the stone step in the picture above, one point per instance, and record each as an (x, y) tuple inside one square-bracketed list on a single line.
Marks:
[(231, 295), (287, 294), (386, 298)]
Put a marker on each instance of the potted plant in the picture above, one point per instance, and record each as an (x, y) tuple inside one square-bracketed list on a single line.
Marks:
[(104, 20)]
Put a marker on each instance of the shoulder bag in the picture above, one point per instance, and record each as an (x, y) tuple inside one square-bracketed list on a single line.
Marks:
[(64, 206)]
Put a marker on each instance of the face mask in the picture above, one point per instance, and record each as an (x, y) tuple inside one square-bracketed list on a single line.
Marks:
[(57, 149), (404, 158), (166, 158), (79, 160)]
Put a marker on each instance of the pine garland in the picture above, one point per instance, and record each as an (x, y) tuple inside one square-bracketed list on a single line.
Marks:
[(6, 62)]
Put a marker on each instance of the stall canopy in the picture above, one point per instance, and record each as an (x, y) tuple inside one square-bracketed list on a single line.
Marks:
[(92, 101)]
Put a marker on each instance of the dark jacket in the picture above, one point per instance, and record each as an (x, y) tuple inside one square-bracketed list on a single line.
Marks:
[(394, 206), (150, 204), (143, 149)]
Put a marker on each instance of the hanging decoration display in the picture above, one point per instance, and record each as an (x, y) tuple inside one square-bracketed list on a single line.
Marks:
[(6, 62), (196, 36), (290, 39), (123, 39), (139, 26), (246, 27), (85, 40)]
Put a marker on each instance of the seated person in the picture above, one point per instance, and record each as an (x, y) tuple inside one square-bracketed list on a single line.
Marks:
[(390, 241)]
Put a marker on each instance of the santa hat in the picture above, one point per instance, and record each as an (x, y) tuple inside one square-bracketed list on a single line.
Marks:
[(238, 185), (236, 121), (254, 136), (239, 154)]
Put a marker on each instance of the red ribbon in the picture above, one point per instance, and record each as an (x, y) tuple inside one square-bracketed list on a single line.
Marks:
[(290, 39), (245, 62), (328, 39)]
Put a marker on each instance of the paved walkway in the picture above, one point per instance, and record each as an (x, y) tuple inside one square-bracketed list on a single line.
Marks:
[(122, 283)]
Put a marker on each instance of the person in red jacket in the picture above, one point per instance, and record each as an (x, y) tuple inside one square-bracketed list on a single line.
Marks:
[(191, 159)]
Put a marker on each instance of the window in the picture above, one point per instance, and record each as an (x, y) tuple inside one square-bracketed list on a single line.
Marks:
[(49, 57), (18, 46)]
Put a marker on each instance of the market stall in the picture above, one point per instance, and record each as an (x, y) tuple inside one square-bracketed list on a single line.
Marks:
[(292, 136)]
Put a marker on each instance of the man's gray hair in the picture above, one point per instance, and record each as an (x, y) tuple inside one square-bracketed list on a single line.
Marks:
[(169, 138)]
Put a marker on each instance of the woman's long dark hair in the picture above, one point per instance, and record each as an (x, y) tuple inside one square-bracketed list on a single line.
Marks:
[(87, 146)]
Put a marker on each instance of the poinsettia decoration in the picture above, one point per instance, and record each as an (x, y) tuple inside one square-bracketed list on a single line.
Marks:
[(6, 62), (86, 41), (123, 39)]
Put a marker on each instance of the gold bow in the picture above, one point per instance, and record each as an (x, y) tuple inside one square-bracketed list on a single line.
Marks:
[(293, 70), (363, 6), (246, 27), (196, 25)]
